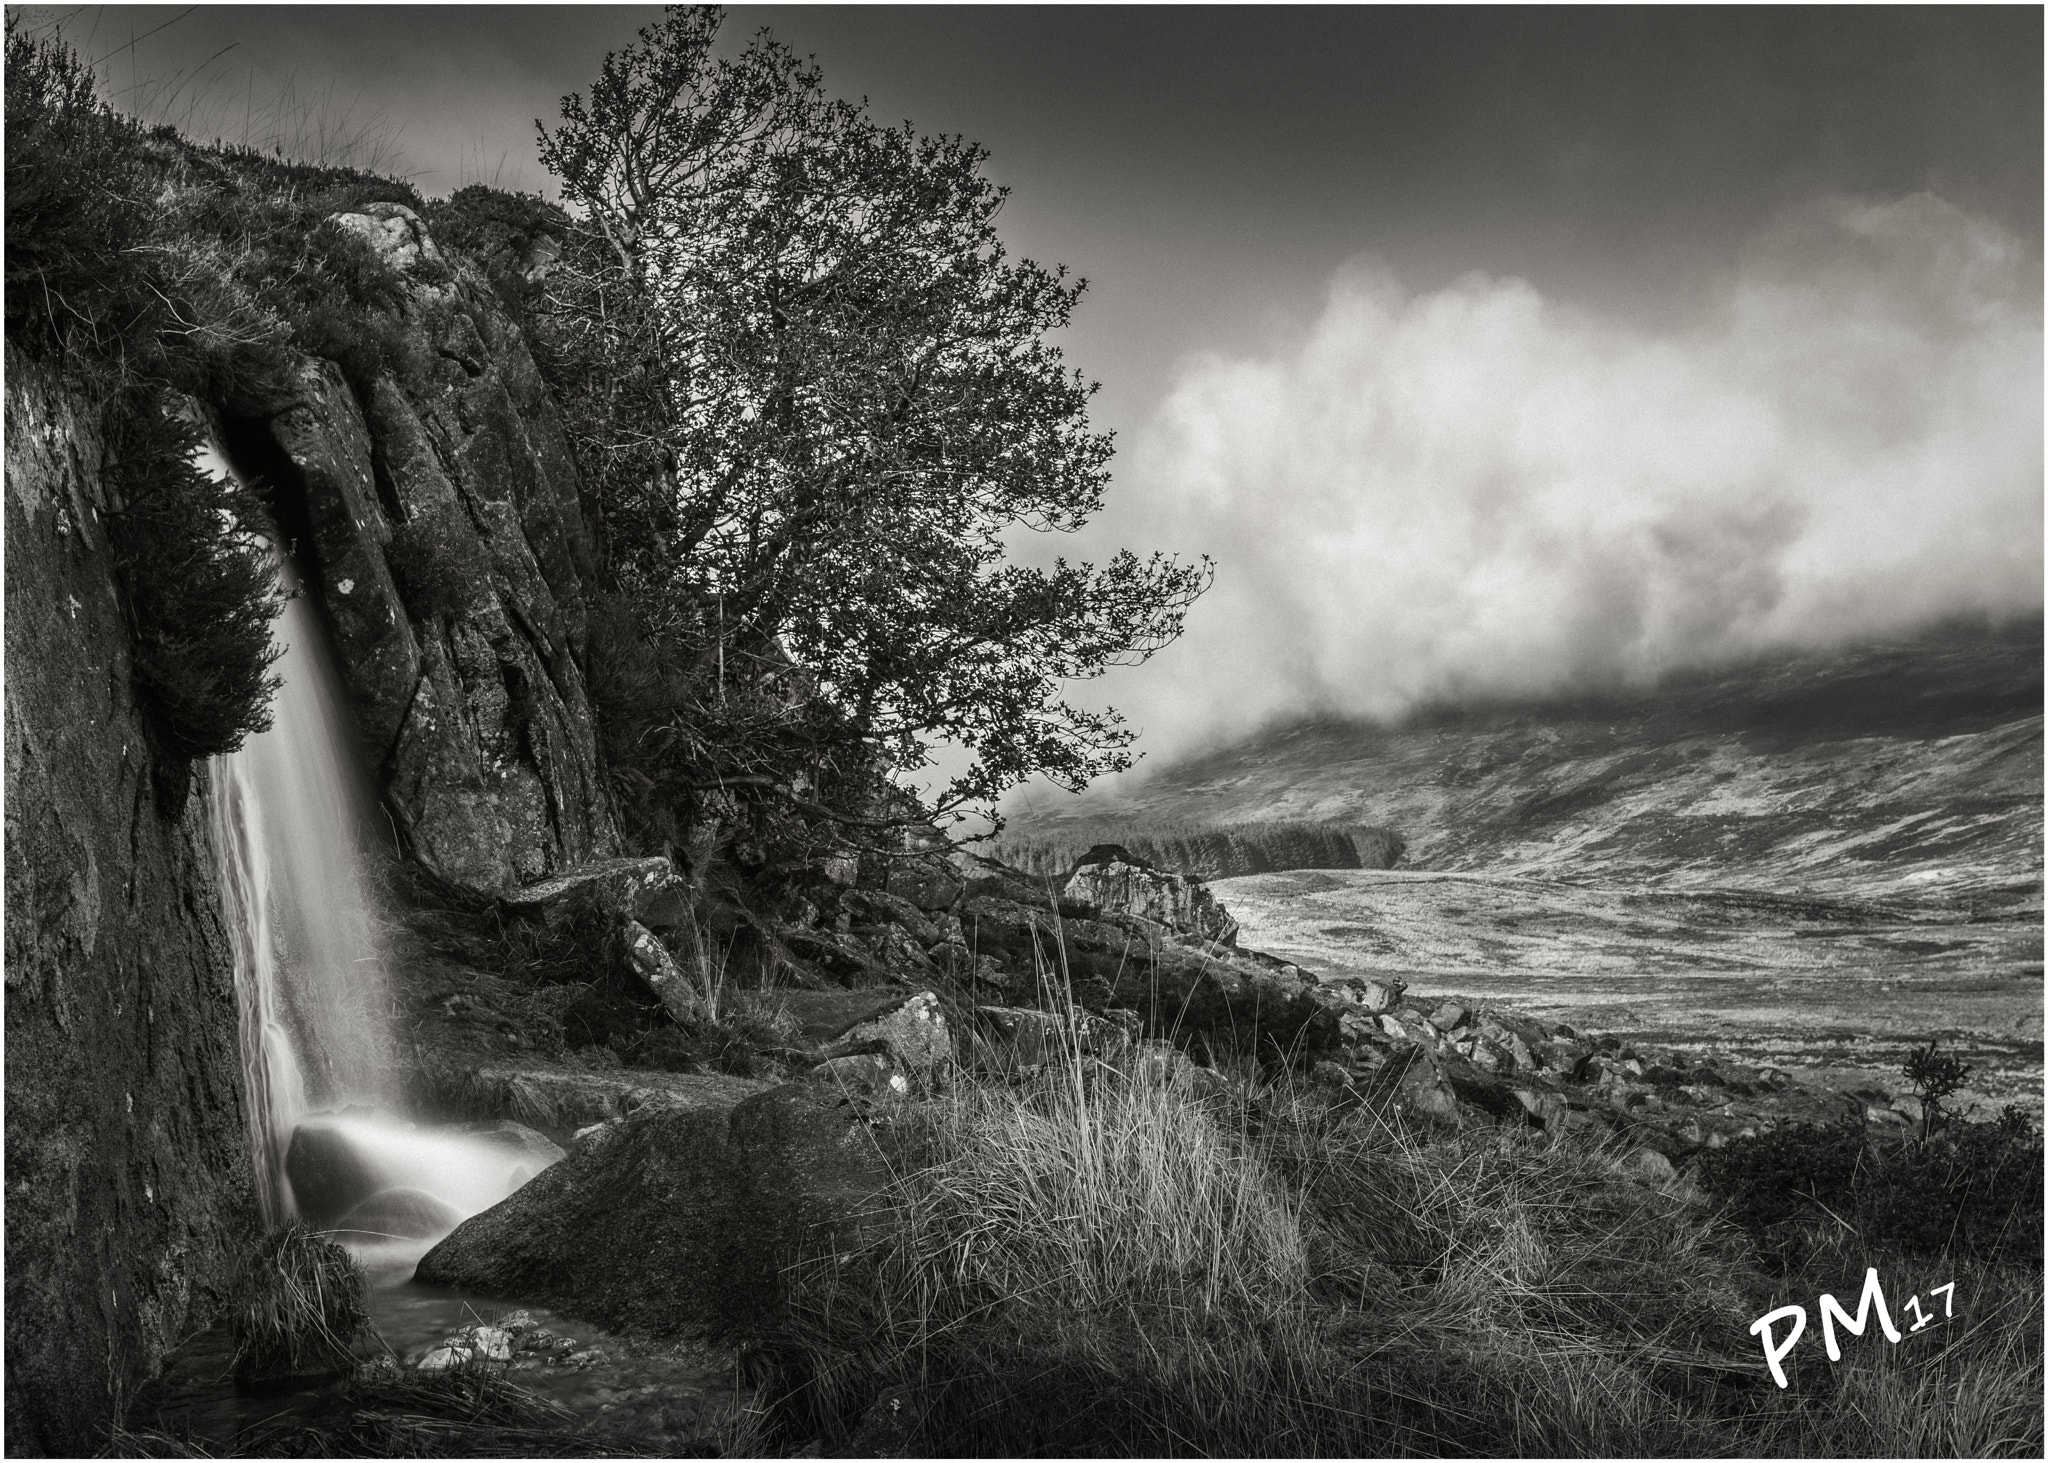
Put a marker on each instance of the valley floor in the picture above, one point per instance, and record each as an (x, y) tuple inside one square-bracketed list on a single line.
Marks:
[(1798, 982)]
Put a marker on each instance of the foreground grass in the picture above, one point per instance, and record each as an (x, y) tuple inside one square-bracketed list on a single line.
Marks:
[(1099, 1263)]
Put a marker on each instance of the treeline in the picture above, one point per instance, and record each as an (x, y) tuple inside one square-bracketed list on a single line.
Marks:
[(1214, 851)]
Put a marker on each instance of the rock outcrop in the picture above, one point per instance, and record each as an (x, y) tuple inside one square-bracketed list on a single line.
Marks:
[(129, 1186), (677, 1221), (446, 544), (1110, 880)]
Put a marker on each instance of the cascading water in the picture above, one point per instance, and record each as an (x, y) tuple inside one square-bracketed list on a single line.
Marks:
[(291, 820)]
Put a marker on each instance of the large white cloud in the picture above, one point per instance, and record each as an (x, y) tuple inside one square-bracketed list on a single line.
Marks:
[(1478, 491)]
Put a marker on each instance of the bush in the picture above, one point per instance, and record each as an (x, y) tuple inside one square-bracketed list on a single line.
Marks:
[(201, 588), (1972, 1190)]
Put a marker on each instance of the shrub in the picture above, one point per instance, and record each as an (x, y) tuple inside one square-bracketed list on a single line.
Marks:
[(1935, 1076), (201, 587), (72, 222), (1973, 1190), (297, 1308)]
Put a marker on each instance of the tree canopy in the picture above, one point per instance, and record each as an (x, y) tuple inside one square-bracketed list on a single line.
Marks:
[(816, 394)]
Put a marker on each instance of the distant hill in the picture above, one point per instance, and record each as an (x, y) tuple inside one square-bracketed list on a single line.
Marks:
[(1902, 769)]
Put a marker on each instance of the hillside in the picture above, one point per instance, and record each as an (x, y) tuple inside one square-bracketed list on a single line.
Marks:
[(1815, 862), (1901, 769)]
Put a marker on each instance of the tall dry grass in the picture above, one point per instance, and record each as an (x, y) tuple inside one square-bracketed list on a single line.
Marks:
[(1099, 1262)]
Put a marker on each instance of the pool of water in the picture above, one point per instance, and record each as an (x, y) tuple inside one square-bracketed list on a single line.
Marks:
[(654, 1398)]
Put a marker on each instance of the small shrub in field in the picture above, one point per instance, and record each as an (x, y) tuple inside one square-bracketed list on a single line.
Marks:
[(297, 1308), (1799, 1169), (1936, 1076), (1975, 1189)]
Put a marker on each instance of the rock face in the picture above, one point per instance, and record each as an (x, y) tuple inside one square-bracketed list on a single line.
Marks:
[(447, 548), (1109, 880), (128, 1173), (676, 1221)]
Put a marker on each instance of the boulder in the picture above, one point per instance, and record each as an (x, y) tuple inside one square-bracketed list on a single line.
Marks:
[(930, 883), (566, 1098), (1021, 1039), (1181, 991), (1380, 994), (394, 232), (1412, 1084), (1449, 1016), (397, 1214), (681, 1221), (329, 1172), (910, 1026), (1110, 880)]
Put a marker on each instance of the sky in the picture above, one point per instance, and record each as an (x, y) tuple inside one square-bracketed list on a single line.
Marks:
[(1488, 350)]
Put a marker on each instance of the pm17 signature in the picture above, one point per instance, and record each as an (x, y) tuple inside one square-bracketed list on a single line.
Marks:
[(1831, 1313)]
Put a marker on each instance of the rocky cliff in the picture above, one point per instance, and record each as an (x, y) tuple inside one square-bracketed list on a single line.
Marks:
[(128, 1176), (433, 515), (437, 517)]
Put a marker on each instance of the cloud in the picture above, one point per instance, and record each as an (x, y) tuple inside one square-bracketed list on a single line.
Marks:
[(1478, 491)]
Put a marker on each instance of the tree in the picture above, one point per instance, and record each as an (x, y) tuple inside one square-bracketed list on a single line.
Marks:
[(815, 395)]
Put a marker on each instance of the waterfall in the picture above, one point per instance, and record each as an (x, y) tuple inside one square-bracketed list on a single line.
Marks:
[(291, 817), (290, 822)]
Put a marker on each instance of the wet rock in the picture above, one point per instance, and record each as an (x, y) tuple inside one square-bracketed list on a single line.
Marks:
[(681, 1223), (566, 1097), (397, 1214), (1110, 880), (329, 1172)]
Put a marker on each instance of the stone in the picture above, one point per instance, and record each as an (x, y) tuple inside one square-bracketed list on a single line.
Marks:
[(658, 970), (680, 1224), (329, 1172), (865, 1074), (1545, 1109), (1647, 1166), (910, 1026), (930, 883), (1448, 1017), (1412, 1084), (401, 1214), (569, 1097), (1381, 995), (520, 1142), (394, 232), (618, 887), (1909, 1107), (1025, 1039), (1109, 880)]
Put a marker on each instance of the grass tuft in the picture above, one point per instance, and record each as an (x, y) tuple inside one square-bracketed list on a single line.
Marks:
[(298, 1308)]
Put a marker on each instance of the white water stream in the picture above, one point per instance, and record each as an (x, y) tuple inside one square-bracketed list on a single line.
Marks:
[(292, 819)]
